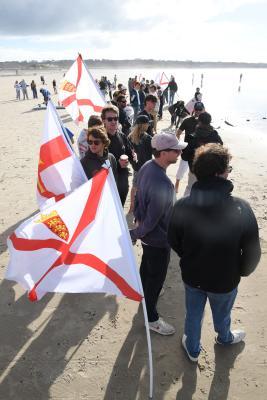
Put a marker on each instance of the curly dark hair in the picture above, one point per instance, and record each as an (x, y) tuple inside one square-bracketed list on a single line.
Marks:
[(210, 160), (99, 132)]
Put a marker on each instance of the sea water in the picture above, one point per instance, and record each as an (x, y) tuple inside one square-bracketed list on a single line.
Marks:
[(243, 104)]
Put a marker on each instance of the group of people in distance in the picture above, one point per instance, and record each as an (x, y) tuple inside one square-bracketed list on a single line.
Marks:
[(21, 88), (214, 233)]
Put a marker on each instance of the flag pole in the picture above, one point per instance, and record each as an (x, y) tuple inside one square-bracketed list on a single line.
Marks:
[(123, 219), (150, 358)]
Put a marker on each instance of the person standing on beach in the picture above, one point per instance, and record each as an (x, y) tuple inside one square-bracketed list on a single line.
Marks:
[(150, 104), (54, 83), (97, 153), (135, 99), (141, 143), (34, 90), (17, 87), (198, 95), (188, 126), (173, 88), (120, 147), (82, 142), (23, 86), (155, 111), (216, 237), (123, 117), (152, 210), (203, 134)]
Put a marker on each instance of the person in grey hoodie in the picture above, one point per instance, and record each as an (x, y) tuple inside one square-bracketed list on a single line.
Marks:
[(153, 205)]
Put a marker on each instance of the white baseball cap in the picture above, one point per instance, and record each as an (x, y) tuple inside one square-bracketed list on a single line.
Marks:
[(164, 141)]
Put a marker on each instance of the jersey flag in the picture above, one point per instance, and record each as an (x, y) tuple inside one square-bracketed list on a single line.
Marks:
[(59, 169), (80, 244), (79, 93)]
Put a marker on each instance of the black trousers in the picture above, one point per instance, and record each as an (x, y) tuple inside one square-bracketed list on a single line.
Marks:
[(153, 271), (123, 184)]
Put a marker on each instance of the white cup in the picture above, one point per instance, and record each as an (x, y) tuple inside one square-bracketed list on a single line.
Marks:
[(124, 157)]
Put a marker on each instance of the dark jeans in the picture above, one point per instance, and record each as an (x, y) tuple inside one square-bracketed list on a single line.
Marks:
[(153, 270), (123, 184)]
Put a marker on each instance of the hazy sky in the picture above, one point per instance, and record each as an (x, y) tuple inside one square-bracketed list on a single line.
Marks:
[(212, 30)]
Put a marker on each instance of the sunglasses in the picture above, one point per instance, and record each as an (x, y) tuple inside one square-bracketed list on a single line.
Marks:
[(175, 150), (95, 142), (110, 119)]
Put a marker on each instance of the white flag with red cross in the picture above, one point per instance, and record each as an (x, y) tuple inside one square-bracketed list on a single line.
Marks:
[(79, 93), (80, 244), (59, 169), (162, 80)]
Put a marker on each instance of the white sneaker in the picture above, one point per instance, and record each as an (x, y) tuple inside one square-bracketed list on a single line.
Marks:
[(161, 327), (238, 336), (191, 358)]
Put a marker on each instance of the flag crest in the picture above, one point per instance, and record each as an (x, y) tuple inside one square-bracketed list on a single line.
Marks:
[(81, 244), (79, 93)]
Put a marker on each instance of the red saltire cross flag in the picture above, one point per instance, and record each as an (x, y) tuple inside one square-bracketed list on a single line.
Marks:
[(79, 93), (80, 244), (59, 169), (162, 80)]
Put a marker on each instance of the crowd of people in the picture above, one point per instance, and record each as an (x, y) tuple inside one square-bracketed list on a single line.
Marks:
[(21, 89), (214, 233)]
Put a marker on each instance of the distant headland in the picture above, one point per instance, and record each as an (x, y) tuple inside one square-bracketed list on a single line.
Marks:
[(129, 64)]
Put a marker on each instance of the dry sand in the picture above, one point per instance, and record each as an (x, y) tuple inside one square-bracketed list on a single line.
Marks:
[(93, 346)]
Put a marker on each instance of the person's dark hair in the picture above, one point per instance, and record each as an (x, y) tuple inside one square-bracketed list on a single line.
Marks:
[(120, 98), (109, 108), (156, 153), (99, 132), (210, 160), (150, 97), (204, 118), (94, 120)]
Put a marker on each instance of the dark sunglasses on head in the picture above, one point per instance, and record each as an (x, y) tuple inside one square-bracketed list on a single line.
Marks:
[(95, 142), (110, 119)]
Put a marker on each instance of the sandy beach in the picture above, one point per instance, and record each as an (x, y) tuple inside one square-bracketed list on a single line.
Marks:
[(93, 346)]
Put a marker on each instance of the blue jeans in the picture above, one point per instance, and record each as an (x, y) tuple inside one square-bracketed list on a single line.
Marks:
[(171, 97), (221, 305)]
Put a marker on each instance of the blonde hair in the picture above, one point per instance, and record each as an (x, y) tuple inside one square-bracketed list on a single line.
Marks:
[(138, 130)]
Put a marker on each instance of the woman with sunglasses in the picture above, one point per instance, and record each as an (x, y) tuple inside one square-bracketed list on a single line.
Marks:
[(97, 153)]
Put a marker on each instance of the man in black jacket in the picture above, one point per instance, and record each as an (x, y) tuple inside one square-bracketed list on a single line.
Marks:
[(123, 118), (217, 239), (204, 133), (119, 145)]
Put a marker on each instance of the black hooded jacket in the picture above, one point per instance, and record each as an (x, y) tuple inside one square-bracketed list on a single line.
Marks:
[(215, 235), (200, 137), (92, 163)]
